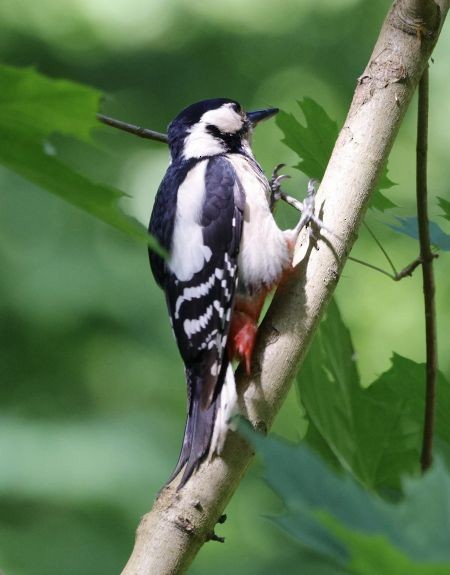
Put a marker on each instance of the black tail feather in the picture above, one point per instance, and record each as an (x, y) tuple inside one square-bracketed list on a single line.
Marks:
[(198, 430), (185, 449), (202, 429)]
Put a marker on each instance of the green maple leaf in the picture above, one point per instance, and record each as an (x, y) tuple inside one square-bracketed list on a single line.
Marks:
[(313, 142), (32, 108)]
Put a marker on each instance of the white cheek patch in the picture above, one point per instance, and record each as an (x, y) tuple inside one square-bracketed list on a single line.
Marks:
[(200, 143), (225, 118), (189, 253)]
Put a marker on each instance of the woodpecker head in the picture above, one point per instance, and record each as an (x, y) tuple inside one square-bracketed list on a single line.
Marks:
[(213, 127)]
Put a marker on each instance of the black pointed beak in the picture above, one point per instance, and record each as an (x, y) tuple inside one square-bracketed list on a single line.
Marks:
[(259, 115)]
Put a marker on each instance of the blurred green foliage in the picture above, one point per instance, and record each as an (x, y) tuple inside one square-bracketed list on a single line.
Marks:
[(445, 205), (352, 526), (32, 108), (409, 226), (92, 393)]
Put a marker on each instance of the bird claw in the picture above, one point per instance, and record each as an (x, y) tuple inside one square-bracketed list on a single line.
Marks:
[(309, 203), (276, 169), (308, 215), (275, 184)]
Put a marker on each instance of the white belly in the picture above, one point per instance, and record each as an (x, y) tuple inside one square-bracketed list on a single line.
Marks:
[(264, 253)]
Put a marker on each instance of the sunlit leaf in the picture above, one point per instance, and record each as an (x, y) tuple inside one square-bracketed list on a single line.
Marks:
[(36, 105), (32, 108), (314, 141), (334, 515), (374, 432), (409, 227)]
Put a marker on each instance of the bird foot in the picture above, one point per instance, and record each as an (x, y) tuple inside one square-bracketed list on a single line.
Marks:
[(307, 208), (275, 185)]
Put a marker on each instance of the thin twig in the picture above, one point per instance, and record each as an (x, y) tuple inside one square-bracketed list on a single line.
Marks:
[(407, 271), (371, 266), (427, 257), (379, 244), (132, 129)]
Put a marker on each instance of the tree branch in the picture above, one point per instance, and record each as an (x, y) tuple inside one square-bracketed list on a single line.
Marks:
[(132, 129), (426, 256), (169, 537)]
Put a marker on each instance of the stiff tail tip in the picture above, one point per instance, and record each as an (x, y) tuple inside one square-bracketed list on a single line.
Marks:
[(206, 429)]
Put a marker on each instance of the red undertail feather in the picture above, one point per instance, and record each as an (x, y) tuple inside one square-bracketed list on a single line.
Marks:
[(242, 338), (244, 326)]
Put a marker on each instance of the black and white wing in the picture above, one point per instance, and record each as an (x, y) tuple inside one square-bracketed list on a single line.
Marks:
[(199, 281)]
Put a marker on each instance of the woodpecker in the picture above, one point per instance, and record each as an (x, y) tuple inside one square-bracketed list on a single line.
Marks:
[(212, 214)]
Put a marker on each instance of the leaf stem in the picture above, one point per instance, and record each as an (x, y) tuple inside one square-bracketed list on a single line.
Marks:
[(379, 244), (426, 256), (371, 266)]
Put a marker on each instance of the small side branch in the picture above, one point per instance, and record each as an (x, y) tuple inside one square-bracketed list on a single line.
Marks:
[(426, 256), (132, 129), (407, 271)]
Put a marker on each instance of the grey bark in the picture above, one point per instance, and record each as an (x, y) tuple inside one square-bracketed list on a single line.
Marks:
[(172, 533)]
